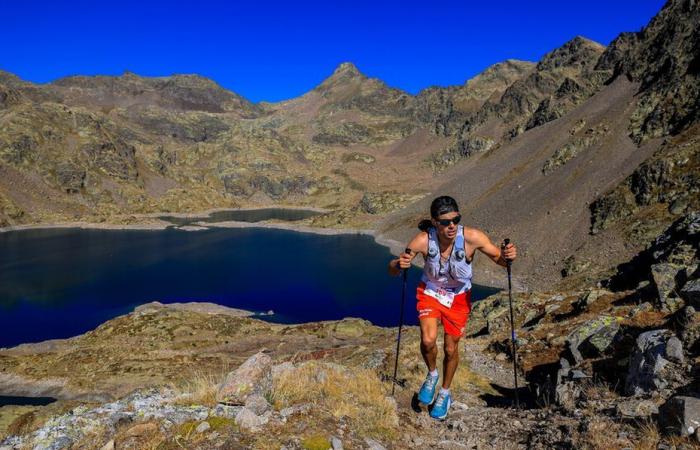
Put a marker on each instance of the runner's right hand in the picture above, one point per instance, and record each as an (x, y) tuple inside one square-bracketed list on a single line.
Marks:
[(405, 260)]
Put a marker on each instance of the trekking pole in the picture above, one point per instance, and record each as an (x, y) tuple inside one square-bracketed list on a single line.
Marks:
[(512, 328), (398, 340)]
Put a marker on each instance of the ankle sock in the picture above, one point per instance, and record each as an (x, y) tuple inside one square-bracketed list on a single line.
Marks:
[(433, 373), (444, 391)]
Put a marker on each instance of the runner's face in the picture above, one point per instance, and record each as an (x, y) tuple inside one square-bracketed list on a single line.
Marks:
[(449, 231)]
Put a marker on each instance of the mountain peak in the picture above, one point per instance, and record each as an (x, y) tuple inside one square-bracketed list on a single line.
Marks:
[(579, 51), (345, 73), (347, 69)]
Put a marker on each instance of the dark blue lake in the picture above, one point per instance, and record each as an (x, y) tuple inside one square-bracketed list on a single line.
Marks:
[(56, 283)]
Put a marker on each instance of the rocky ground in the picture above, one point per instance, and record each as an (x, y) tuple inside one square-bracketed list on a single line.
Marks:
[(613, 366)]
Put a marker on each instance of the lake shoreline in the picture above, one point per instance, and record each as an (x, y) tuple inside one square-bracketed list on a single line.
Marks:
[(395, 247)]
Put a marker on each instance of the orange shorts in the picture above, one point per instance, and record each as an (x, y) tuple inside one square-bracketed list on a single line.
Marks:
[(453, 319)]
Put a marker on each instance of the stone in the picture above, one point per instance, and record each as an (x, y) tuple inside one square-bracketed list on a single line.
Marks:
[(666, 277), (108, 446), (336, 443), (593, 337), (680, 415), (226, 411), (690, 329), (202, 427), (649, 370), (691, 292), (634, 408), (258, 404), (589, 297), (642, 307), (350, 328), (373, 445), (295, 409), (674, 350), (254, 376), (248, 420)]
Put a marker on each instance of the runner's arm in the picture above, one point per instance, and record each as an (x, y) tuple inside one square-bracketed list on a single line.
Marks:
[(481, 242), (418, 245)]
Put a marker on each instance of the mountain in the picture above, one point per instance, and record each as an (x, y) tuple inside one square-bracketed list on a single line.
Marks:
[(178, 92), (587, 190)]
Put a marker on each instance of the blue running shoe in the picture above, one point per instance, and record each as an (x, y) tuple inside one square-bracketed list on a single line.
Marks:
[(441, 406), (427, 390)]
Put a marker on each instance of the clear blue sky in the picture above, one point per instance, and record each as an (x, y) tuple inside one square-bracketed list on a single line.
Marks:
[(278, 50)]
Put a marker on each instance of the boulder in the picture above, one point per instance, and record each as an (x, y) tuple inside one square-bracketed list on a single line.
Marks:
[(649, 369), (593, 337), (690, 329), (680, 415), (666, 277), (691, 293), (248, 420), (253, 377)]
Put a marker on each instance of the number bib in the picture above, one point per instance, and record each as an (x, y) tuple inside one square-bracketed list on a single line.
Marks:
[(443, 296)]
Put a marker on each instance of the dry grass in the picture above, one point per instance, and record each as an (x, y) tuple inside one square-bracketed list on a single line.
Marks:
[(648, 437), (199, 388), (354, 393), (603, 434)]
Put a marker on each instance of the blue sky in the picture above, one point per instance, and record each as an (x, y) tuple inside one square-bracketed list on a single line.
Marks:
[(278, 50)]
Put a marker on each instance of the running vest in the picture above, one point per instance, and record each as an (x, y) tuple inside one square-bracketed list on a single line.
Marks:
[(453, 275)]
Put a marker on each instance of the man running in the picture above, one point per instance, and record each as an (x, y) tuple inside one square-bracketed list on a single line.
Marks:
[(444, 293)]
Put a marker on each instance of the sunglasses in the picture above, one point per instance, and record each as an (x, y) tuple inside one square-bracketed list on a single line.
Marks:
[(446, 222)]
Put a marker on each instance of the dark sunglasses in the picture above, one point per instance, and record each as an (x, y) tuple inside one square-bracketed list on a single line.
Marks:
[(446, 222)]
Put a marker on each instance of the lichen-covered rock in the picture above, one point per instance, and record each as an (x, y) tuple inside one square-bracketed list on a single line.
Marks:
[(253, 377), (593, 337), (666, 278)]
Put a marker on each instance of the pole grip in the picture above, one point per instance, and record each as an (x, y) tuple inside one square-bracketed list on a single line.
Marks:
[(506, 241)]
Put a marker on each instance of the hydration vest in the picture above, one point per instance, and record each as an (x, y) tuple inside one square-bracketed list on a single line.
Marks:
[(455, 274)]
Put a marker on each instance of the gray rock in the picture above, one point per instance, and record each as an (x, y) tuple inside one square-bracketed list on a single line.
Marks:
[(690, 328), (202, 427), (254, 376), (248, 420), (258, 404), (336, 443), (229, 412), (55, 443), (647, 365), (674, 350), (691, 292), (665, 276), (373, 445), (634, 408), (452, 445), (296, 409), (680, 415)]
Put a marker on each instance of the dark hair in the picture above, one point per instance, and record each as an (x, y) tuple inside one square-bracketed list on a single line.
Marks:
[(439, 206), (443, 205)]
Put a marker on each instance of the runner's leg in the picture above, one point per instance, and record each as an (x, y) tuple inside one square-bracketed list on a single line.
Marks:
[(428, 346), (451, 359)]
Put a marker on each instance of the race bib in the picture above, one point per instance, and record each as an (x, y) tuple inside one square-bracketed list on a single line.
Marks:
[(445, 297)]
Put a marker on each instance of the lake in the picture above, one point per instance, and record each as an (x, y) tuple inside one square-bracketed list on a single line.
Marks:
[(57, 283)]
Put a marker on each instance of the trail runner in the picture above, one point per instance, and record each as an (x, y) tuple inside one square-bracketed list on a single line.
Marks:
[(444, 293)]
